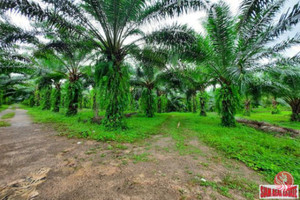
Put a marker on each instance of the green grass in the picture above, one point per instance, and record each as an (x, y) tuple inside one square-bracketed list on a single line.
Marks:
[(174, 127), (281, 119), (8, 115), (260, 151), (140, 157), (4, 124), (139, 127), (247, 187), (3, 107), (222, 187)]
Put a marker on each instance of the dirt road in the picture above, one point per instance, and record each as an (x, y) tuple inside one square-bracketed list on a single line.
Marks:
[(36, 163)]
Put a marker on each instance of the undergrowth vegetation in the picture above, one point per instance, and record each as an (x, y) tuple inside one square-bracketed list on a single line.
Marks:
[(80, 125), (3, 107), (263, 152), (4, 124), (8, 115)]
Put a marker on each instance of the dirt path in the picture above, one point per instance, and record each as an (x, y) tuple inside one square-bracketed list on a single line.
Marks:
[(61, 168)]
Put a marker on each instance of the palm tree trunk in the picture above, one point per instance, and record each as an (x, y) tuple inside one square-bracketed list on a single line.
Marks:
[(56, 98), (37, 97), (95, 105), (228, 107), (194, 104), (46, 95), (202, 104), (227, 117), (247, 107), (31, 100), (188, 102), (149, 101), (80, 97), (256, 101), (274, 106), (295, 105), (117, 90), (1, 97), (73, 95), (158, 93)]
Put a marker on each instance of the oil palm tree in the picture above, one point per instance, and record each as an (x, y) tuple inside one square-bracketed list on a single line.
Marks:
[(50, 97), (93, 76), (284, 82), (198, 80), (146, 79), (15, 70), (11, 37), (251, 92), (117, 27), (149, 73), (233, 46), (12, 62), (65, 58), (292, 95), (193, 78)]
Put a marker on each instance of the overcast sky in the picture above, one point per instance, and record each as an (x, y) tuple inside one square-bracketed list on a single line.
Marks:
[(195, 20)]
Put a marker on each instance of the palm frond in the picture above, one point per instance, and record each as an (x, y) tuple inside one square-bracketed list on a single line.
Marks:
[(174, 36), (170, 8), (220, 28), (286, 21), (251, 8), (10, 34), (34, 11)]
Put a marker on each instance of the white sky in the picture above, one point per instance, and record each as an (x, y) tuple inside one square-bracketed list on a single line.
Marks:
[(194, 21)]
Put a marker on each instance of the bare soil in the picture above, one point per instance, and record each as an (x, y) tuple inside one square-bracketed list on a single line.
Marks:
[(36, 163)]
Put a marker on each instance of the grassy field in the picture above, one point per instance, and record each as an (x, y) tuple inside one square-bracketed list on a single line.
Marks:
[(260, 151), (281, 119)]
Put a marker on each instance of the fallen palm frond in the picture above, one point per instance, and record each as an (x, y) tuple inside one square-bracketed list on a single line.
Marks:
[(24, 188), (264, 126)]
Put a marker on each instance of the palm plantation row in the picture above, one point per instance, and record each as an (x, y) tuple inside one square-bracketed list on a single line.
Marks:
[(102, 54)]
